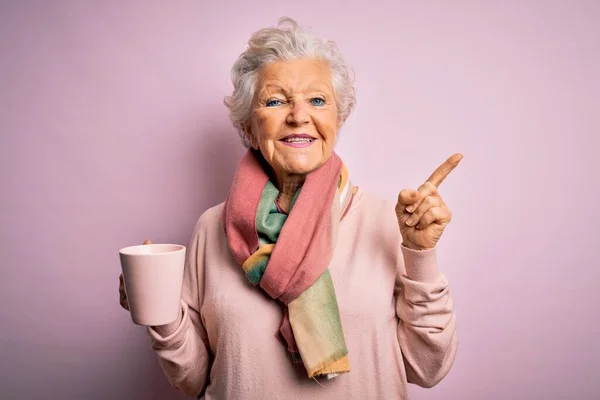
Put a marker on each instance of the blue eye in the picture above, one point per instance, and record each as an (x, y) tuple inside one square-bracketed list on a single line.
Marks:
[(317, 101), (273, 103)]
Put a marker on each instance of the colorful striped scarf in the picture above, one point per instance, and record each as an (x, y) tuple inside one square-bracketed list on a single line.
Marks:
[(288, 255)]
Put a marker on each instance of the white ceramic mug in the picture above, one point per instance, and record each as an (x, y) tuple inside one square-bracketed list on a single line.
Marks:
[(153, 277)]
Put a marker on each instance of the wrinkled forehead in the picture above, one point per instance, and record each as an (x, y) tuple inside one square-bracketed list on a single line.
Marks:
[(296, 76)]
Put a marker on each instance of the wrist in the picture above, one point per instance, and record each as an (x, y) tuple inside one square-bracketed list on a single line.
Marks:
[(409, 245), (421, 265)]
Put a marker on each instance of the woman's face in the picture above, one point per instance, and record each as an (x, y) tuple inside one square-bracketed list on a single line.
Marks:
[(295, 117)]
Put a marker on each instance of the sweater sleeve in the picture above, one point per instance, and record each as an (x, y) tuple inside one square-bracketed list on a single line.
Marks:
[(427, 325), (184, 354)]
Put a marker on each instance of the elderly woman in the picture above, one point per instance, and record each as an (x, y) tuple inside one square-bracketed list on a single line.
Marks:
[(301, 285)]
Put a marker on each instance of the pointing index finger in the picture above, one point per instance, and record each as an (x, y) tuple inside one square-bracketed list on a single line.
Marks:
[(438, 176)]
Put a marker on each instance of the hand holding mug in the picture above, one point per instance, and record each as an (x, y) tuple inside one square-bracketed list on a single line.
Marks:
[(151, 283), (122, 295)]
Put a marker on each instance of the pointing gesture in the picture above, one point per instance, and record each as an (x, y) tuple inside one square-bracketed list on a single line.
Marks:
[(422, 214)]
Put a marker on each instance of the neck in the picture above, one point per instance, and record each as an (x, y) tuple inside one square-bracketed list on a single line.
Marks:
[(288, 186)]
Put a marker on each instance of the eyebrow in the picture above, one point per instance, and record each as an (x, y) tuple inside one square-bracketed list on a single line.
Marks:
[(319, 87), (275, 86)]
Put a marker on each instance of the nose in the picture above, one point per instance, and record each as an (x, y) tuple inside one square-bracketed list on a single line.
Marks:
[(298, 114)]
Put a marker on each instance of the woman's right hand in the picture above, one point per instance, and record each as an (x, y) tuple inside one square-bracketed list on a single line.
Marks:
[(122, 294)]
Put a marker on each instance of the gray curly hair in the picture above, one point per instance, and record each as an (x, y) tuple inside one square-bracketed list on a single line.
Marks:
[(285, 42)]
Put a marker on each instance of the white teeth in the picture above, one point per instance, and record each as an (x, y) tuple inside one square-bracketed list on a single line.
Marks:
[(298, 140)]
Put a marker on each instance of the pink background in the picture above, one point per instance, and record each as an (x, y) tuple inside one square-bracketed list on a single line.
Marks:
[(112, 129)]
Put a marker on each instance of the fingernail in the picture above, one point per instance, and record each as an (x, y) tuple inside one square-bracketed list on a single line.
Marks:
[(409, 221), (409, 208)]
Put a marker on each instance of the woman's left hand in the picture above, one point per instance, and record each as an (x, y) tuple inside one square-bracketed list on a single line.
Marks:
[(422, 214)]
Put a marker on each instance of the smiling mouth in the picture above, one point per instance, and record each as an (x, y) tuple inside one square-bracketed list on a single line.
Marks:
[(298, 138)]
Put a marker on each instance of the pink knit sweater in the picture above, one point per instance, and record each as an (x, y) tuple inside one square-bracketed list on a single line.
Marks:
[(395, 308)]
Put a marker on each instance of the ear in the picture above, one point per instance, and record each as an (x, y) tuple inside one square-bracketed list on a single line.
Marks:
[(340, 121), (250, 137)]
